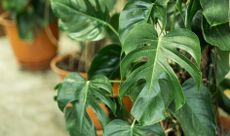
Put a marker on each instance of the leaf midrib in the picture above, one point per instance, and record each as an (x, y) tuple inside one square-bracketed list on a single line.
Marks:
[(155, 62), (86, 90)]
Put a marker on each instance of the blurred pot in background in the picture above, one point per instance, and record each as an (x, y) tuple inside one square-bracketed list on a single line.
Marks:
[(32, 30)]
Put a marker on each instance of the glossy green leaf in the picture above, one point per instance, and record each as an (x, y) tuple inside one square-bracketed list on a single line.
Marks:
[(215, 11), (148, 59), (217, 36), (72, 123), (222, 64), (106, 62), (83, 19), (86, 94), (193, 7), (67, 90), (196, 117), (141, 11), (123, 128)]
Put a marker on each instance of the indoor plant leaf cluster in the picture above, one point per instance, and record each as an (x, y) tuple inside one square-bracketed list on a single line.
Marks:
[(169, 53), (29, 15)]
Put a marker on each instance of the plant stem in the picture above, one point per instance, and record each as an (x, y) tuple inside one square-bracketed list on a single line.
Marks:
[(115, 81), (115, 32)]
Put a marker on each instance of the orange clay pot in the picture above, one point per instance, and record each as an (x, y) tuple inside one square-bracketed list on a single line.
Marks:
[(224, 122), (63, 73), (35, 55)]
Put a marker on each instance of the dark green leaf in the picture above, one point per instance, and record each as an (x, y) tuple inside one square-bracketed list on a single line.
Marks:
[(122, 128), (215, 11), (217, 36), (106, 62), (148, 59), (193, 7), (222, 65), (196, 117)]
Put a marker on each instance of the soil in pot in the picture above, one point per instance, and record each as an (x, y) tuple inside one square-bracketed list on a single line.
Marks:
[(63, 65)]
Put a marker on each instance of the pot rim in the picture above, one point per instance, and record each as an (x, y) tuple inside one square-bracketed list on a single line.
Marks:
[(57, 69), (4, 21)]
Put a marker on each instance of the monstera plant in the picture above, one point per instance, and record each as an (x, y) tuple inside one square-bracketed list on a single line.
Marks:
[(174, 57), (29, 15)]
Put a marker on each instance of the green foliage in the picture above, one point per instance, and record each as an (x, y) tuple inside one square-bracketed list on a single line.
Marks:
[(155, 52), (159, 50), (29, 16), (196, 116), (122, 128), (84, 20), (83, 94), (106, 62)]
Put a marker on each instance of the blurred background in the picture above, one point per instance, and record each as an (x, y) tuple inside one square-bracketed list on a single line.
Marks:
[(34, 56)]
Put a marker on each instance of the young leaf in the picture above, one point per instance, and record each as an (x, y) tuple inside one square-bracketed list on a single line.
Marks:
[(123, 128), (106, 62), (218, 36), (86, 94), (151, 54), (83, 19), (193, 7), (196, 117), (215, 11), (141, 11)]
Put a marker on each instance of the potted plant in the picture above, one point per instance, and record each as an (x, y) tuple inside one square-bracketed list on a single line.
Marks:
[(174, 59), (32, 30)]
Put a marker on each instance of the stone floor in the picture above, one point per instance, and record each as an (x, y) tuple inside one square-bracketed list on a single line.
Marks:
[(27, 107)]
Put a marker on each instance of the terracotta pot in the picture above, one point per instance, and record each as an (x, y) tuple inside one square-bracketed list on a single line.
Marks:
[(35, 55), (224, 122), (63, 73)]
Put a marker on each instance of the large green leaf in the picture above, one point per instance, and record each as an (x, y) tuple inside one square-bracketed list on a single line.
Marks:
[(83, 19), (215, 11), (72, 123), (106, 62), (141, 11), (148, 59), (86, 94), (217, 35), (222, 64), (123, 128), (196, 117)]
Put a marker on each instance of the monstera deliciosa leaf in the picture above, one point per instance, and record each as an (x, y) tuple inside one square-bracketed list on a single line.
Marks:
[(84, 94), (123, 128), (142, 11), (147, 59), (218, 36), (196, 117), (215, 11), (106, 62), (84, 20)]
